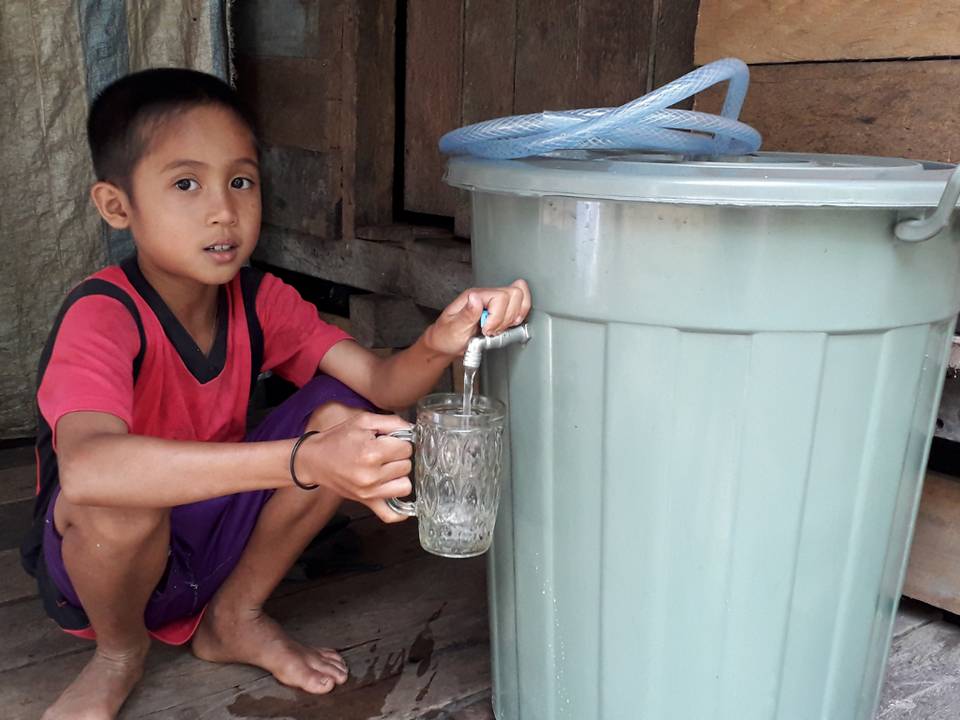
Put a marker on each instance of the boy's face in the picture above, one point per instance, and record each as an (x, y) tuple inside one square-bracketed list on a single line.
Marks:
[(194, 208)]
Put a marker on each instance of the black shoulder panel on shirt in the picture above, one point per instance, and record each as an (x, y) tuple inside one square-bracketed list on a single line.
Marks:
[(250, 279), (48, 474), (94, 286)]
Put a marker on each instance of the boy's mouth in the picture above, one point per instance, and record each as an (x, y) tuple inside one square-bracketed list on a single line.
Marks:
[(220, 248)]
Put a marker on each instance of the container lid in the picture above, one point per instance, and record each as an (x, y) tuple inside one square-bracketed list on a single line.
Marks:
[(763, 178)]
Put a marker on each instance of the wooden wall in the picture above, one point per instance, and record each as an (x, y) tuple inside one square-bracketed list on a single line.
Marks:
[(322, 77), (472, 60), (284, 60), (872, 77), (306, 68)]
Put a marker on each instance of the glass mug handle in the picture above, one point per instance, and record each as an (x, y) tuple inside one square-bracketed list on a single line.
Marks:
[(403, 507)]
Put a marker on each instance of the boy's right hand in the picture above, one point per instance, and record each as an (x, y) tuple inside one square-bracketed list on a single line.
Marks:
[(359, 461)]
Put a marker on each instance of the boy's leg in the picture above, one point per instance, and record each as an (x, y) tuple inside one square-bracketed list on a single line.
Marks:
[(234, 627), (114, 558)]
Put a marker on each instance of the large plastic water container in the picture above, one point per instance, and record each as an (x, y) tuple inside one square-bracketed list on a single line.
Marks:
[(718, 430)]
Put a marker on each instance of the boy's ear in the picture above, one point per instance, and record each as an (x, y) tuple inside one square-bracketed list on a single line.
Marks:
[(112, 203)]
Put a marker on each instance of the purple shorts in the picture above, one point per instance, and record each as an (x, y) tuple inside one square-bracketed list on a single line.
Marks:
[(207, 537)]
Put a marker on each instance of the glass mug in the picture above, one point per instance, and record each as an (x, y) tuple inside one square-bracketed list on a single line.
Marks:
[(457, 467)]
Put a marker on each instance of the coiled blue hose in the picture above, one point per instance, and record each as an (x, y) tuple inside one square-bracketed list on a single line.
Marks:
[(646, 124)]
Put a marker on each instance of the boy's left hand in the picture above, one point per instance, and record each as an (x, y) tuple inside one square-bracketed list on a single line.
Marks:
[(506, 307)]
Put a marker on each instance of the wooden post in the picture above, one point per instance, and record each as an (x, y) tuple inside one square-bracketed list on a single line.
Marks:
[(433, 76), (348, 122)]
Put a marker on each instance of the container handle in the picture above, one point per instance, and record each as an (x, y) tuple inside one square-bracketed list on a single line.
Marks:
[(924, 228), (403, 507)]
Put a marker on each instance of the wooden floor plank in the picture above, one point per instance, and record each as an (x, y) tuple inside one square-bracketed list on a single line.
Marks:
[(15, 519), (17, 483), (475, 710), (912, 614), (414, 633), (366, 547), (384, 639), (413, 628), (923, 675), (394, 689), (30, 638), (16, 456), (15, 584)]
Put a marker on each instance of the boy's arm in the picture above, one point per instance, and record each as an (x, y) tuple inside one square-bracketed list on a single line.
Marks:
[(100, 463), (398, 381), (391, 383)]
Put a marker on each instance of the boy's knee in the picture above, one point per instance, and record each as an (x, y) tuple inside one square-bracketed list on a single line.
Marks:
[(121, 526)]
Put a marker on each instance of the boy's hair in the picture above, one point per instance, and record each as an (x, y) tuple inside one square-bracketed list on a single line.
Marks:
[(127, 112)]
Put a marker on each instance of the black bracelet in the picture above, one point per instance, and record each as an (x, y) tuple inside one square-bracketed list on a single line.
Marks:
[(293, 456)]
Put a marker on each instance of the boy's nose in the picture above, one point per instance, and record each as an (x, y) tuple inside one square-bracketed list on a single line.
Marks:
[(223, 211)]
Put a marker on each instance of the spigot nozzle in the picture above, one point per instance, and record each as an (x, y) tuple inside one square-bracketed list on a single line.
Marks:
[(477, 345)]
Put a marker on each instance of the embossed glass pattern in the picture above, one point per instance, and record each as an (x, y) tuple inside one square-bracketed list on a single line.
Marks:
[(457, 473)]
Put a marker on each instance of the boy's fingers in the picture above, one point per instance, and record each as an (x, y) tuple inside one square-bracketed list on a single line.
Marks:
[(397, 488), (514, 308), (391, 450), (472, 310), (497, 307), (382, 424), (522, 286), (505, 316), (396, 469), (514, 298), (383, 511), (526, 300), (507, 306), (458, 303)]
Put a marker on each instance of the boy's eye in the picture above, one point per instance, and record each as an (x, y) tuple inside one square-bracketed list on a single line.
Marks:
[(241, 183), (185, 184)]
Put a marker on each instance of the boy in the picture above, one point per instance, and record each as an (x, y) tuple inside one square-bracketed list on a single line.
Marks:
[(153, 518)]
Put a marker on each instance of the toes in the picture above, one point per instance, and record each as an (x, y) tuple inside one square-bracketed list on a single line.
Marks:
[(334, 658), (305, 676), (318, 684), (329, 653), (315, 671), (336, 669)]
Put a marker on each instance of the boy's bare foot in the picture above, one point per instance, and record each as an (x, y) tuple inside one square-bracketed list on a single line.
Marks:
[(254, 638), (101, 687)]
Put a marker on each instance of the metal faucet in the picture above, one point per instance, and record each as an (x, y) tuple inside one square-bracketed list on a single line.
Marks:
[(477, 345)]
